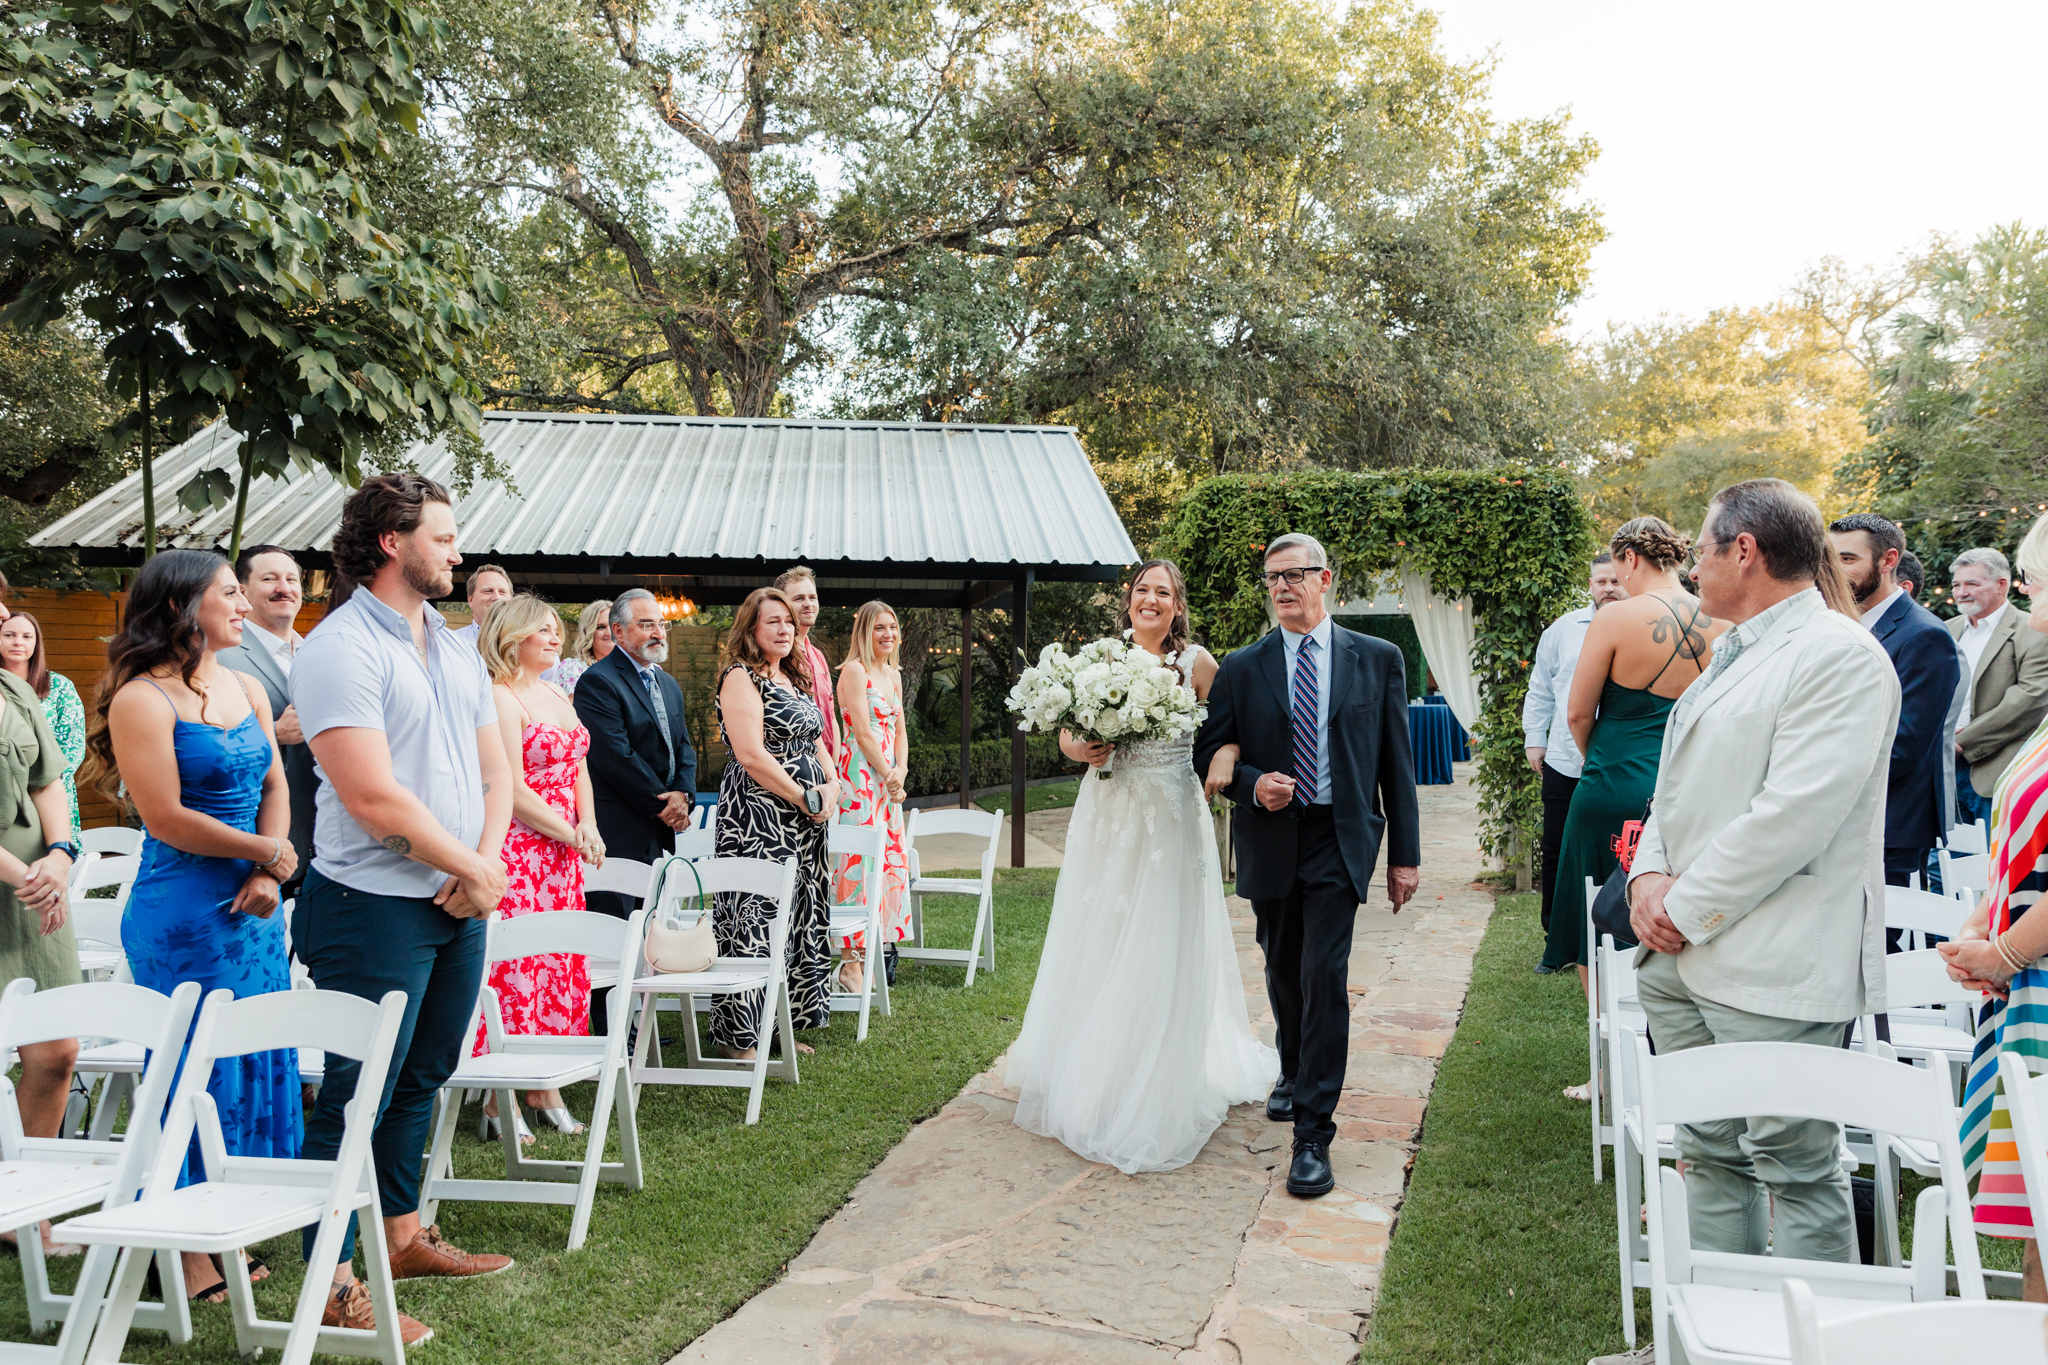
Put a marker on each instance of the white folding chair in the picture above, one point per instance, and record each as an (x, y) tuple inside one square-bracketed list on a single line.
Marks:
[(981, 948), (1966, 840), (1834, 1332), (246, 1200), (1596, 1036), (48, 1178), (1917, 913), (1724, 1308), (2026, 1099), (97, 919), (1625, 1022), (1958, 874), (727, 976), (527, 1061), (624, 877), (113, 840), (698, 841), (863, 917)]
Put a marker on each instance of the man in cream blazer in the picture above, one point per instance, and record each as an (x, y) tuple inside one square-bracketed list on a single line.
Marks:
[(1758, 888)]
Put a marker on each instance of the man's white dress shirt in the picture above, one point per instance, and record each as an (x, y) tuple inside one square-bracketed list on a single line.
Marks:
[(283, 651), (1550, 688), (1876, 613), (1321, 635), (1976, 637)]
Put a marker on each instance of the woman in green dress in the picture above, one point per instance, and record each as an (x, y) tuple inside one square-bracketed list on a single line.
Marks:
[(1638, 657), (23, 655), (35, 867)]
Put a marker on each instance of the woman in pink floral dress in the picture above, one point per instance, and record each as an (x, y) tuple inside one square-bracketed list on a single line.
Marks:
[(872, 767), (553, 834)]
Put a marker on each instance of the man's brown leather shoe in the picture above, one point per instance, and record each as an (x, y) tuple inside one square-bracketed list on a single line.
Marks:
[(350, 1307), (428, 1256)]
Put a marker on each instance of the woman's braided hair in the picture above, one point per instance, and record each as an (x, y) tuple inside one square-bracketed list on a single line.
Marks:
[(1653, 541)]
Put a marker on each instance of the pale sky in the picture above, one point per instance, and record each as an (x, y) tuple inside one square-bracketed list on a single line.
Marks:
[(1745, 139)]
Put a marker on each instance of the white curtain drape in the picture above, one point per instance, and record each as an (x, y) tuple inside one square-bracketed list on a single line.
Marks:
[(1446, 629)]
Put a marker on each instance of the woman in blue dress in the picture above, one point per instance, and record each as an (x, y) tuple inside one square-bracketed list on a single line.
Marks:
[(194, 745)]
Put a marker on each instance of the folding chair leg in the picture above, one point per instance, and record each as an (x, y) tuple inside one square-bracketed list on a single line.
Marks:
[(975, 957), (1598, 1087), (377, 1278), (441, 1157), (43, 1309), (868, 971), (1628, 1238), (118, 1086), (101, 1263), (593, 1160), (119, 1314), (241, 1303), (628, 1105), (1887, 1173)]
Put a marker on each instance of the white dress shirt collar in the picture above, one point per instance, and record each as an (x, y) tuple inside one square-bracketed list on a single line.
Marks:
[(1876, 613), (282, 650), (1983, 625)]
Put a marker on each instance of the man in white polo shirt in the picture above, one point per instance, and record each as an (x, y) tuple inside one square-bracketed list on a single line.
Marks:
[(414, 802)]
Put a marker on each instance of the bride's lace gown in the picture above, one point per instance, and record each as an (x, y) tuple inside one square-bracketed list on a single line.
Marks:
[(1138, 1039)]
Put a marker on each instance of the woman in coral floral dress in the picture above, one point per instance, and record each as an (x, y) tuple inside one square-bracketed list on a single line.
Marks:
[(872, 767), (553, 834)]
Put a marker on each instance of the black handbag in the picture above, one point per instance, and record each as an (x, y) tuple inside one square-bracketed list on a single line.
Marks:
[(1610, 911)]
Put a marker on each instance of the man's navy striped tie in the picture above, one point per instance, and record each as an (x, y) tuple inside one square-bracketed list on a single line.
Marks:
[(1305, 774)]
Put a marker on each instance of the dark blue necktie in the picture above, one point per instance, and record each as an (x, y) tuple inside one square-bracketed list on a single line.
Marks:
[(1305, 773)]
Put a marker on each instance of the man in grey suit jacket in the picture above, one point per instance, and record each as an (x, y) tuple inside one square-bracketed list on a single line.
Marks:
[(270, 578), (2008, 677), (1758, 889)]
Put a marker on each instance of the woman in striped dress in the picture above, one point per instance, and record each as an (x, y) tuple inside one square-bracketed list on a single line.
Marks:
[(2003, 950)]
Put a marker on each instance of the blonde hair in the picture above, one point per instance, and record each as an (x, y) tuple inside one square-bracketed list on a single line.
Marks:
[(861, 649), (508, 626), (2033, 552), (595, 617)]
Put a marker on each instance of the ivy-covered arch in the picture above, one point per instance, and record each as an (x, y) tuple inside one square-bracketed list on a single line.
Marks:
[(1514, 539)]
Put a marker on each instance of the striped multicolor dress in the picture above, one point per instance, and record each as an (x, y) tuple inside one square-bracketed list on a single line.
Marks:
[(2018, 1024)]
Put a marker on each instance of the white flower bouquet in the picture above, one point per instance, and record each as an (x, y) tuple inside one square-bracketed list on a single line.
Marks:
[(1109, 691)]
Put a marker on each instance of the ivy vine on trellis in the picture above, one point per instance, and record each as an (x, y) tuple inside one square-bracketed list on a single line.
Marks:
[(1514, 539)]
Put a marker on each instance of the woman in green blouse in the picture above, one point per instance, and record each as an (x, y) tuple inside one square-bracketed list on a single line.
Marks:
[(22, 654)]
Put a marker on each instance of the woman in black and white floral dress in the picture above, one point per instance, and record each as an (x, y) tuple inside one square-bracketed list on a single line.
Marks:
[(775, 800)]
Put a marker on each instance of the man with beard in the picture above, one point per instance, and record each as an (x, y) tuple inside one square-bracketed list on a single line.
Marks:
[(270, 580), (1924, 657), (1553, 754), (643, 770), (414, 802)]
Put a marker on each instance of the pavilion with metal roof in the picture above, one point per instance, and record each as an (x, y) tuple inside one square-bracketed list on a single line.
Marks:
[(922, 514)]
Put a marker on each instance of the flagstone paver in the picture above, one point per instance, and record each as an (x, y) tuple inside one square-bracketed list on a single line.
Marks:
[(975, 1241)]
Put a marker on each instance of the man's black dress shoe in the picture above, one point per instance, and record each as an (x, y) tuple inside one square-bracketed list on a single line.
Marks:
[(1310, 1176), (1280, 1104)]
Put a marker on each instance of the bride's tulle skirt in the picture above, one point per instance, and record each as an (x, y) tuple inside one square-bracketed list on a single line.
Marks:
[(1137, 1039)]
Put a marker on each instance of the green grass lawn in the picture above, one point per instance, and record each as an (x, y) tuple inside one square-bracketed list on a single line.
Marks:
[(1505, 1248), (725, 1206), (1051, 796)]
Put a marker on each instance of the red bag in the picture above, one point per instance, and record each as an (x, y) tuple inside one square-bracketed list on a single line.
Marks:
[(1626, 841)]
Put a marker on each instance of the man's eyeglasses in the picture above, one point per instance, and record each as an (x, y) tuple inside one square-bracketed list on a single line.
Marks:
[(1293, 576), (1692, 561)]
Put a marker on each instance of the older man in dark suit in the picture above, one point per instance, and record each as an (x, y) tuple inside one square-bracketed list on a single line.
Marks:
[(1924, 656), (643, 771), (1321, 716), (270, 579)]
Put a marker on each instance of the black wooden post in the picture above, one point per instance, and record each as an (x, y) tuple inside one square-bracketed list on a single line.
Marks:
[(966, 678), (1020, 622)]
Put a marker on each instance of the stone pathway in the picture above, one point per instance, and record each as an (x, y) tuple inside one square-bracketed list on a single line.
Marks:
[(975, 1241)]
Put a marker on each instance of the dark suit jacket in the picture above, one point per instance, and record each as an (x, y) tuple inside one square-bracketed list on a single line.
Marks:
[(629, 764), (300, 779), (1925, 658), (1372, 772)]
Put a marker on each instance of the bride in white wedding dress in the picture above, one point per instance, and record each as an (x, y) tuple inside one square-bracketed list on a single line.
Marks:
[(1137, 1039)]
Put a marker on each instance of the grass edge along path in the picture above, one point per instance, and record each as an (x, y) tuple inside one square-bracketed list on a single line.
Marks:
[(725, 1206)]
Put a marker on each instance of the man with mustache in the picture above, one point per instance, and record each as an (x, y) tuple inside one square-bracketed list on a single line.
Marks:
[(270, 580)]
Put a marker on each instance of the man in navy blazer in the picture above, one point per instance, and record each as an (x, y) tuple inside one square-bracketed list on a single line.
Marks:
[(1324, 777), (643, 771), (1929, 668)]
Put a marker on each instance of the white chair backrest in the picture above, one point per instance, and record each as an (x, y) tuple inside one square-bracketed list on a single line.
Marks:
[(698, 841), (707, 815), (115, 840), (982, 824), (97, 871), (624, 876), (1965, 840), (97, 921), (1916, 1333), (752, 876), (1905, 908), (853, 841), (112, 1010), (558, 931), (1914, 980), (1972, 873)]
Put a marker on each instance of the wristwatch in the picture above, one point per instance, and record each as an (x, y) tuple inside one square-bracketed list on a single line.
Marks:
[(814, 800), (70, 849)]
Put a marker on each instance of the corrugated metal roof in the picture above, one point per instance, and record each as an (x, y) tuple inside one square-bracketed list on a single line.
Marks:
[(692, 489)]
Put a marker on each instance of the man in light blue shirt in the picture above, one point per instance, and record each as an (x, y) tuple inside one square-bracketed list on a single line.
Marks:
[(415, 799), (1552, 752)]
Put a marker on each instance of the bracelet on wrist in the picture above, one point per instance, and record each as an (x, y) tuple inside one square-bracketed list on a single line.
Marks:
[(2009, 954)]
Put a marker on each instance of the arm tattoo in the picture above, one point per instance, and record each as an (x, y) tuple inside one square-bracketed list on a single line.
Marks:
[(487, 789), (398, 844)]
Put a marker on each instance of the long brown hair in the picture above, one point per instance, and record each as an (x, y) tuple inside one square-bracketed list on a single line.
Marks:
[(160, 626), (743, 649), (38, 662), (1177, 632)]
